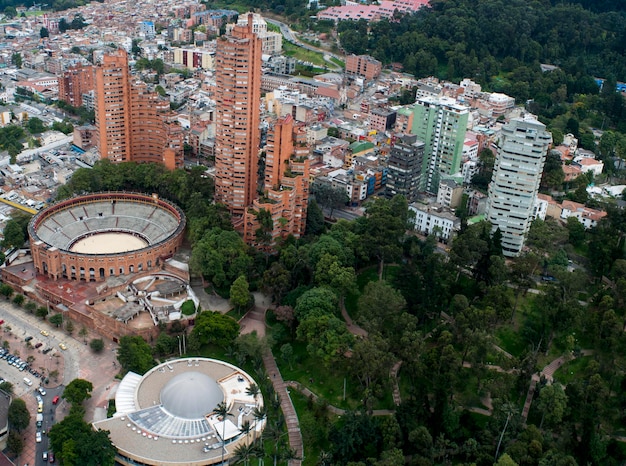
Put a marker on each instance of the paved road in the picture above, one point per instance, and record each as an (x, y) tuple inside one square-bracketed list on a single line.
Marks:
[(290, 36)]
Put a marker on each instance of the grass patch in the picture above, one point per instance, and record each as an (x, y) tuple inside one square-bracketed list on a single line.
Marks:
[(336, 61), (299, 53), (511, 341), (314, 428), (327, 382), (571, 370)]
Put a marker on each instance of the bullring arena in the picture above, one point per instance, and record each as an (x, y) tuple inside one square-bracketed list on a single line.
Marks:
[(108, 261), (100, 235)]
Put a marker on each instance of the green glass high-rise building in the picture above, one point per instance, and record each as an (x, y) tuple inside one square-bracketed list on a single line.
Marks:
[(441, 123)]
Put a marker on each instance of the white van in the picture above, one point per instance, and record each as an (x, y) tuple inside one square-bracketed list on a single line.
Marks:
[(28, 382)]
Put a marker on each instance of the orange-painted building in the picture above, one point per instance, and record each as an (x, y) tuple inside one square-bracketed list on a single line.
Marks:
[(76, 81), (238, 100), (132, 122)]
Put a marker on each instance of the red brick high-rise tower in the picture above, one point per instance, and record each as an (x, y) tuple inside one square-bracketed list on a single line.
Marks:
[(238, 98), (132, 122)]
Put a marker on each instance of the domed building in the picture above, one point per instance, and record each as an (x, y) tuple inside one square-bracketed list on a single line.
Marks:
[(166, 416)]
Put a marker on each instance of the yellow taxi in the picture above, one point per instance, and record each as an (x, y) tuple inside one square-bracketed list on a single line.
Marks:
[(62, 346), (45, 333)]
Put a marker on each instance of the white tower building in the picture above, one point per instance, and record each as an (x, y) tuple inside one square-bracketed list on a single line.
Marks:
[(522, 150)]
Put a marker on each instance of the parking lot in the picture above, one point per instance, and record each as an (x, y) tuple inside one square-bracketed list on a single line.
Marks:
[(23, 333)]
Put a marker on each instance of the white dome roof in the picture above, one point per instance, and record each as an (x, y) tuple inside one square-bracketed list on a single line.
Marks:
[(191, 395)]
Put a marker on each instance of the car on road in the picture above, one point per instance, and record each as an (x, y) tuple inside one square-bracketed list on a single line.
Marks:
[(44, 456), (51, 457), (38, 437), (62, 346), (45, 333), (28, 338), (39, 345), (40, 407), (55, 400), (41, 391), (27, 381)]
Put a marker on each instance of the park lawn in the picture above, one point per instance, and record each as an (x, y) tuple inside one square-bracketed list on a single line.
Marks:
[(511, 341), (469, 396), (299, 53), (327, 382), (571, 370)]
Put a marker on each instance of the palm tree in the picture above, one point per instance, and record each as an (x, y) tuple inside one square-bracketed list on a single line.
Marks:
[(245, 428), (324, 458), (254, 391), (259, 414), (243, 453), (221, 411), (289, 454)]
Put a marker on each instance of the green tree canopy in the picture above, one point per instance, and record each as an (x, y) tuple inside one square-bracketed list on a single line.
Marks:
[(77, 391), (135, 355), (215, 328), (18, 415)]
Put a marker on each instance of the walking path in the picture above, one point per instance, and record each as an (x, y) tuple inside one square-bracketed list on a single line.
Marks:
[(291, 417), (333, 409), (547, 373)]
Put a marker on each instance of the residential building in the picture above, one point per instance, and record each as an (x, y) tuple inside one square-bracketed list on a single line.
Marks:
[(363, 66), (238, 78), (441, 123), (405, 166), (587, 216), (381, 119), (132, 122), (272, 41), (285, 190), (450, 193), (74, 82), (522, 150), (434, 220)]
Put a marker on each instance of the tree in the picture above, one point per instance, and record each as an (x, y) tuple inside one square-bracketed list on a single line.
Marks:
[(69, 326), (15, 443), (75, 442), (6, 290), (134, 354), (35, 125), (43, 33), (222, 411), (383, 227), (18, 415), (18, 300), (41, 312), (576, 231), (77, 391), (10, 12), (379, 303), (552, 404), (221, 256), (83, 332), (215, 328), (326, 336), (505, 460), (240, 293), (328, 196), (56, 319), (330, 272), (314, 219), (6, 387), (16, 59)]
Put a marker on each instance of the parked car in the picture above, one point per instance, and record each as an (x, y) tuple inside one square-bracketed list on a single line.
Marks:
[(39, 345), (38, 437), (45, 333), (41, 391)]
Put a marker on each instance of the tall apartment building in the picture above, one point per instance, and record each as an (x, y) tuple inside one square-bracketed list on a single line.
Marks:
[(441, 123), (74, 82), (238, 101), (363, 66), (285, 190), (522, 150), (132, 122), (405, 166)]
